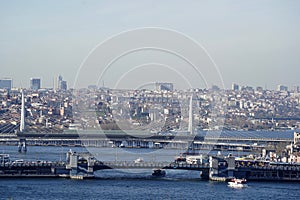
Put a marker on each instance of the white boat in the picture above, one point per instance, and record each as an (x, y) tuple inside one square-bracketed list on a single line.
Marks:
[(139, 160), (237, 183)]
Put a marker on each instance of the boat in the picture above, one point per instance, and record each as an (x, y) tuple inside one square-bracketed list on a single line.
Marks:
[(138, 160), (180, 159), (159, 173), (237, 183), (81, 176)]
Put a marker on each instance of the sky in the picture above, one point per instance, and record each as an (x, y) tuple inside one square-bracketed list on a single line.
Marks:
[(251, 42)]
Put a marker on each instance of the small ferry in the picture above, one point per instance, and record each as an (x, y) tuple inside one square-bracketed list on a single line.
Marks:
[(180, 159), (158, 173), (138, 160), (237, 183)]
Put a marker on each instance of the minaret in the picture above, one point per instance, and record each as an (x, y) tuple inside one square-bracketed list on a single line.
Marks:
[(190, 127), (22, 123)]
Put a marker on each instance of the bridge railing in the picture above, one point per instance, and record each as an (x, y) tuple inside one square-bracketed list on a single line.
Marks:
[(129, 164), (161, 165), (270, 168), (33, 164), (249, 139)]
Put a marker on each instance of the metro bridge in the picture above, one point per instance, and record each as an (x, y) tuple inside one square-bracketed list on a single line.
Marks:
[(141, 141)]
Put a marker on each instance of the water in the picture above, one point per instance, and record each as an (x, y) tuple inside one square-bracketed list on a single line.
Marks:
[(52, 153), (141, 189), (131, 184)]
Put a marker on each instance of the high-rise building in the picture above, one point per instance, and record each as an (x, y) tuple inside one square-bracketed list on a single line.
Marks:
[(59, 83), (63, 85), (247, 88), (215, 88), (296, 88), (55, 85), (282, 88), (6, 83), (259, 89), (235, 87), (35, 83), (164, 86)]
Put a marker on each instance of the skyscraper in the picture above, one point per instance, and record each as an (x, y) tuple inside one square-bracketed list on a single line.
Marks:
[(296, 88), (282, 88), (235, 87), (59, 83), (35, 83), (164, 86), (63, 85), (6, 83)]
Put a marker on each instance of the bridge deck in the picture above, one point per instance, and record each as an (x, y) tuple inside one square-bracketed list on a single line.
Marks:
[(148, 165)]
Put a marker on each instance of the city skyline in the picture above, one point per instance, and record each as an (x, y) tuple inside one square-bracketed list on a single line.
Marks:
[(56, 84), (253, 43)]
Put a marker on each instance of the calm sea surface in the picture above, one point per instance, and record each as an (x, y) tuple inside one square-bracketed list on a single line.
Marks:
[(142, 188), (131, 184)]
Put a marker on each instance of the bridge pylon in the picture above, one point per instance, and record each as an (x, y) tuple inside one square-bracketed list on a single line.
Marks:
[(81, 165)]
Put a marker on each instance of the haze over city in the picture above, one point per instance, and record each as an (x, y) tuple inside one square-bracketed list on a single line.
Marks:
[(173, 99), (252, 42)]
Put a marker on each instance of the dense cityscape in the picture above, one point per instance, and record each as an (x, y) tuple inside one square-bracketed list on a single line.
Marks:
[(162, 109), (150, 100)]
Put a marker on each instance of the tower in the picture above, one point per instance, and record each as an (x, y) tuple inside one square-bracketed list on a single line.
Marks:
[(190, 127), (22, 122), (59, 83), (6, 83), (35, 83), (22, 146), (235, 87)]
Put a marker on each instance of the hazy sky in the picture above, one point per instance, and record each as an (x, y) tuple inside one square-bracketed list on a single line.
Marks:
[(253, 42)]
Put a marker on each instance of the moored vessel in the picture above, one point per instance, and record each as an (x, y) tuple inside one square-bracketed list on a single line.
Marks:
[(158, 173), (237, 183)]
